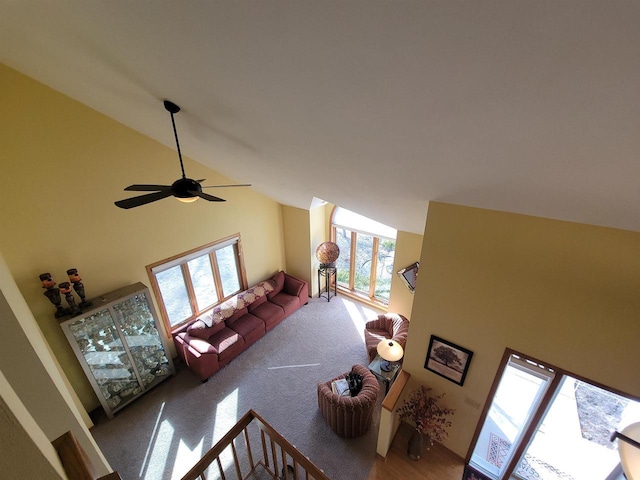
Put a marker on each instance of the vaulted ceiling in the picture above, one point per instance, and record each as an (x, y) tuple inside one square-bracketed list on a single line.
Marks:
[(379, 106)]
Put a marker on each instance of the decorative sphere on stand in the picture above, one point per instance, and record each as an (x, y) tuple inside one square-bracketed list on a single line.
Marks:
[(327, 253)]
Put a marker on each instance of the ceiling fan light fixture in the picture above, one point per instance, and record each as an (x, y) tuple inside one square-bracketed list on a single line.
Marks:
[(187, 199)]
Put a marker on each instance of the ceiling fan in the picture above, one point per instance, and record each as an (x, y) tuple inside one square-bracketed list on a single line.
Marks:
[(184, 189)]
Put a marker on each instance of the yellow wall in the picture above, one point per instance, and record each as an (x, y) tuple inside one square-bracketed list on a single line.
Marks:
[(408, 247), (297, 240), (562, 292), (319, 234), (63, 166), (32, 374), (22, 438)]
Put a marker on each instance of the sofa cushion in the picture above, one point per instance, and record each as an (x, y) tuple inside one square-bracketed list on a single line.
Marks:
[(231, 320), (257, 303), (225, 339), (289, 303), (229, 343), (270, 313), (278, 282), (250, 327), (379, 334), (201, 330)]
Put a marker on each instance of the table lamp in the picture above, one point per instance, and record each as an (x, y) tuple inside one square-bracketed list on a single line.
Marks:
[(629, 450), (390, 351)]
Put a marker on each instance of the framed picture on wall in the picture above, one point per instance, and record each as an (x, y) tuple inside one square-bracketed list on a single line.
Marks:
[(448, 360), (409, 276)]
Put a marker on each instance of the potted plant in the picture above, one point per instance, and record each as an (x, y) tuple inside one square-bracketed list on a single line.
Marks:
[(430, 419)]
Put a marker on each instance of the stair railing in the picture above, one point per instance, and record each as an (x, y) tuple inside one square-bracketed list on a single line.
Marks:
[(276, 454)]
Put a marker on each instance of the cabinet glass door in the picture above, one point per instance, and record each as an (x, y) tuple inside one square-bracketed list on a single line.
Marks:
[(106, 357), (136, 322)]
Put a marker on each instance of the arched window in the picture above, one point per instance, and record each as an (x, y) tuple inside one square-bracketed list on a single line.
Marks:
[(367, 250)]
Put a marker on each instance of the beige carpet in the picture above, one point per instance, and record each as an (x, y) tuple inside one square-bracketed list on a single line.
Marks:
[(165, 432)]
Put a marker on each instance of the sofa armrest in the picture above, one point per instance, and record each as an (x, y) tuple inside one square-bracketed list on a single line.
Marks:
[(294, 286), (195, 344), (182, 328)]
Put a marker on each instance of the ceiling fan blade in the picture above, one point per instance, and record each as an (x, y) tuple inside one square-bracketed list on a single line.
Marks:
[(148, 188), (142, 199), (222, 186), (206, 196)]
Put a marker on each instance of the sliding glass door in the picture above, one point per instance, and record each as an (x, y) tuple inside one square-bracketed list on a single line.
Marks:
[(545, 424), (573, 440), (519, 394)]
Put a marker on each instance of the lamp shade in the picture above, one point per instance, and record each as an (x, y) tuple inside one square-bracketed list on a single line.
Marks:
[(629, 453), (390, 350)]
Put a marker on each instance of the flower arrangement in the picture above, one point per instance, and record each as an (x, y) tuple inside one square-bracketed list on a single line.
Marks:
[(425, 411)]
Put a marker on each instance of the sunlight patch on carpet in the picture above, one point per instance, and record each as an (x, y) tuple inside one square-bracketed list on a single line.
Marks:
[(226, 418), (186, 458), (359, 316), (151, 441), (294, 366), (160, 451), (226, 414)]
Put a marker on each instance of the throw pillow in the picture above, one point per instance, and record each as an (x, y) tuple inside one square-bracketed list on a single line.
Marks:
[(200, 329)]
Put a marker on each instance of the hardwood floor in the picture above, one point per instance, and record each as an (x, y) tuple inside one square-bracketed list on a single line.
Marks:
[(438, 463)]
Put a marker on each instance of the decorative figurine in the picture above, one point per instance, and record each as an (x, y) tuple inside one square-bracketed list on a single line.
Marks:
[(78, 286), (65, 287), (53, 294)]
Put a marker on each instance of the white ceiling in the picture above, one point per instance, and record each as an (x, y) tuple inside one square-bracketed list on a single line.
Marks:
[(380, 106)]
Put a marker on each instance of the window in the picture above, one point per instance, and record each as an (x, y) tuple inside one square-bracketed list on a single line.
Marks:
[(546, 424), (367, 249), (190, 284)]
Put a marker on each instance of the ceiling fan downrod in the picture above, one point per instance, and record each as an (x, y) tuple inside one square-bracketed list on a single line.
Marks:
[(173, 108)]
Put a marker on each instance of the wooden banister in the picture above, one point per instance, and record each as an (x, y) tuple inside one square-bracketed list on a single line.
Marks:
[(75, 461), (111, 476), (390, 401), (275, 452)]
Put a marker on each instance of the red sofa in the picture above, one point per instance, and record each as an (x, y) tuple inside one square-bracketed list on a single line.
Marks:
[(205, 346)]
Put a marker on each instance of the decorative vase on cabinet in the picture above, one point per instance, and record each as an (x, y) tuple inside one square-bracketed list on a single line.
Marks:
[(119, 346)]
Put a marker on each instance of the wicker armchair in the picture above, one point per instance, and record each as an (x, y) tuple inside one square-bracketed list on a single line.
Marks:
[(387, 326), (349, 416)]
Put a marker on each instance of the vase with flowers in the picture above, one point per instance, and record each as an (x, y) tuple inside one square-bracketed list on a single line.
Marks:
[(431, 419)]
